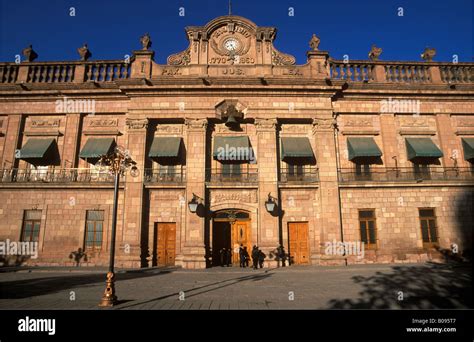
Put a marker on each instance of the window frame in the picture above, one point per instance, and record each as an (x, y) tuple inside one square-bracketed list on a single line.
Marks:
[(366, 220), (32, 221), (429, 244), (94, 247)]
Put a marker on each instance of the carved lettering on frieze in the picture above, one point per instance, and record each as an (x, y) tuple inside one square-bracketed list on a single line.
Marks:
[(292, 72), (358, 123), (239, 196), (169, 129), (233, 71), (169, 196), (171, 71), (136, 124), (45, 123), (293, 196), (465, 122), (103, 122)]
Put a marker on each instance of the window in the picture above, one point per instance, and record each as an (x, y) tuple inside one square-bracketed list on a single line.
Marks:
[(362, 171), (94, 229), (422, 171), (38, 173), (31, 225), (367, 228), (229, 170), (295, 171), (429, 232)]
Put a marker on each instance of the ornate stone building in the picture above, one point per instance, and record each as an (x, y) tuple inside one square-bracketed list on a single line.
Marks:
[(345, 151)]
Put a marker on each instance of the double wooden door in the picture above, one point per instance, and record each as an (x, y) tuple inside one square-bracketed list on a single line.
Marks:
[(165, 244), (299, 242)]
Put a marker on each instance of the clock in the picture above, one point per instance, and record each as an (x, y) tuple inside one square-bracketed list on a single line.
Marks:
[(231, 44)]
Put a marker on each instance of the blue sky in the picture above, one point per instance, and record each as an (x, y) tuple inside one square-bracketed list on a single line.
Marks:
[(112, 27)]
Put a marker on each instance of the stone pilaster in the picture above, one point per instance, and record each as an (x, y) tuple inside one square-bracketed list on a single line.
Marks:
[(268, 225), (389, 139), (194, 247), (12, 134), (329, 219), (70, 140), (130, 234)]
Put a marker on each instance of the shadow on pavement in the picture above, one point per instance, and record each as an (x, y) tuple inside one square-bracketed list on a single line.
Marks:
[(26, 288), (430, 286), (205, 288)]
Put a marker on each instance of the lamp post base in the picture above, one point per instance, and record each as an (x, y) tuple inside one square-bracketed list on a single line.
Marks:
[(109, 298)]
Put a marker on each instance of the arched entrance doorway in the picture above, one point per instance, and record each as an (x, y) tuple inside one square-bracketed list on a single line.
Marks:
[(230, 229)]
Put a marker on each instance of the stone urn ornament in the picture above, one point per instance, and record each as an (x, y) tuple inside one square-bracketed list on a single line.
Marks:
[(84, 52), (145, 40), (375, 52), (29, 54), (428, 54)]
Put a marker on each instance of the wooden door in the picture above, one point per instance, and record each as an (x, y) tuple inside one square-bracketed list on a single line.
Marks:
[(240, 235), (166, 244), (299, 242)]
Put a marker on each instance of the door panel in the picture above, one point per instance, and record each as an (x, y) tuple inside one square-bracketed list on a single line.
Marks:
[(299, 242), (240, 235), (165, 233)]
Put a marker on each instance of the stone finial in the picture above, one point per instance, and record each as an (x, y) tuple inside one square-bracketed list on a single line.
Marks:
[(375, 52), (428, 54), (84, 52), (314, 43), (29, 54), (146, 41)]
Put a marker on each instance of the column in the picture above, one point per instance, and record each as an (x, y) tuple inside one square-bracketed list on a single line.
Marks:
[(194, 248), (268, 225), (329, 221), (129, 235)]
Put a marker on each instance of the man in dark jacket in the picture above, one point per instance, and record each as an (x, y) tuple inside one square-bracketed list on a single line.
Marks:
[(229, 257), (222, 254), (255, 255), (261, 258), (242, 255)]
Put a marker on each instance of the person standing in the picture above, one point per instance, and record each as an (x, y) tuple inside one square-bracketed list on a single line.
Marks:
[(229, 257), (261, 258), (255, 255), (242, 255), (222, 254)]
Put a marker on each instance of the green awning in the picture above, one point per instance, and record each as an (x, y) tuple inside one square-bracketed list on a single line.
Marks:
[(96, 147), (292, 147), (362, 148), (165, 147), (468, 147), (37, 150), (422, 148), (232, 148)]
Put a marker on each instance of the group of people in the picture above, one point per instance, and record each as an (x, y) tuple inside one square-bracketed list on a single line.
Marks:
[(257, 257)]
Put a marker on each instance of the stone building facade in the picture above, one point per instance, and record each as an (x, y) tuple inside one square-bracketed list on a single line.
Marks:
[(346, 151)]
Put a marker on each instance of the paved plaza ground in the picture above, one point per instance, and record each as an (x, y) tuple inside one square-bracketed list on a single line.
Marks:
[(400, 286)]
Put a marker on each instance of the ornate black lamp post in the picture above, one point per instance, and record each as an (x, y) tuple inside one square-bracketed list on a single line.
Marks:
[(118, 162)]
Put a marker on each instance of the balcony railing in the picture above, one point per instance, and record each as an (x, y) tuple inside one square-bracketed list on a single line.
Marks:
[(157, 176), (55, 176), (303, 175), (243, 177), (406, 175)]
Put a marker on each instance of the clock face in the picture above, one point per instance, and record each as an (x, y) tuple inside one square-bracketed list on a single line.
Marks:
[(231, 44)]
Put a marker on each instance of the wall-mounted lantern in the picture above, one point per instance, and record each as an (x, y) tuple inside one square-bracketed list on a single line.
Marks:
[(270, 203), (194, 203)]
